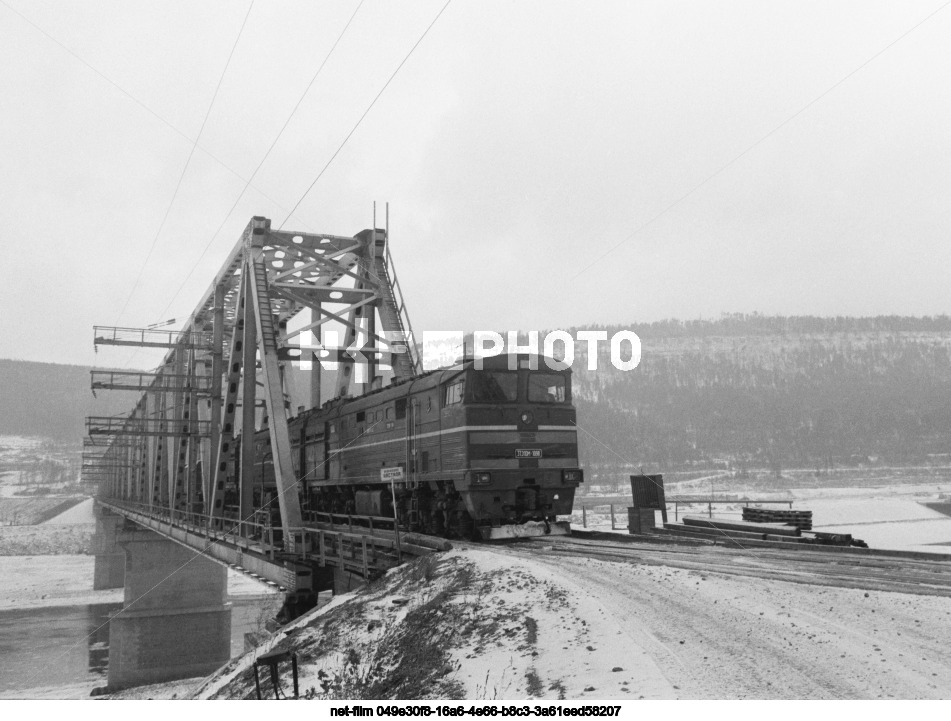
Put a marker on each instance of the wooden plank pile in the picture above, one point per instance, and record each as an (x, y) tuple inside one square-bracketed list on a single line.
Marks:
[(716, 529), (800, 519)]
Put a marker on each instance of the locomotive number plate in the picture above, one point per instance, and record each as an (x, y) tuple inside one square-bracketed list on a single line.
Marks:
[(528, 452)]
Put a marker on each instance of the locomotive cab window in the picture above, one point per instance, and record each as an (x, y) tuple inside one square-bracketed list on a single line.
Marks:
[(493, 387), (455, 392), (546, 388)]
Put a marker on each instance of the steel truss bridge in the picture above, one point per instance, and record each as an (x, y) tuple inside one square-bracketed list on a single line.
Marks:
[(168, 464)]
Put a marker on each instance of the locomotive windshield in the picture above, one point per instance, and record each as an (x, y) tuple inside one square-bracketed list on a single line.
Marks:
[(546, 388), (494, 387)]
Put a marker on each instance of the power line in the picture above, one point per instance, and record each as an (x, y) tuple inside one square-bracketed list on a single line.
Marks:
[(136, 100), (263, 159), (340, 147), (365, 112), (751, 147), (188, 161)]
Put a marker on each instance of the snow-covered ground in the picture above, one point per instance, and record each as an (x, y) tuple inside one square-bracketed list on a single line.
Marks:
[(471, 624), (503, 623), (17, 444), (497, 623), (34, 581), (884, 522), (80, 513), (886, 517), (27, 458)]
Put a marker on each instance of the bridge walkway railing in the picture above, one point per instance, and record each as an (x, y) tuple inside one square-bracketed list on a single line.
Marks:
[(363, 547)]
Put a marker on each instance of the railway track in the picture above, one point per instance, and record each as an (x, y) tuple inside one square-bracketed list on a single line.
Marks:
[(814, 567)]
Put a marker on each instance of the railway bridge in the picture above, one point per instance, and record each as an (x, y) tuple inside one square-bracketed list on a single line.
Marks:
[(179, 498)]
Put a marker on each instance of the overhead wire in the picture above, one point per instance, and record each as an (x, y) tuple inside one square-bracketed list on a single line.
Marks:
[(336, 152), (664, 211), (365, 112), (194, 141), (660, 486), (755, 144), (136, 100), (188, 161), (393, 75), (265, 156)]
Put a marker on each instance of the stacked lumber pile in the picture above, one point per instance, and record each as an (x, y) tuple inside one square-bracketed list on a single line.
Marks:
[(715, 529), (800, 519)]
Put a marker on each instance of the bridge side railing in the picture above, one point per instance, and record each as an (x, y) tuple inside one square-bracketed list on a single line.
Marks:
[(351, 521), (360, 551), (258, 537)]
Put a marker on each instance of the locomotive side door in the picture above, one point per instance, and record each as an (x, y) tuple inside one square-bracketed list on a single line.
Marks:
[(412, 450), (324, 472), (333, 440)]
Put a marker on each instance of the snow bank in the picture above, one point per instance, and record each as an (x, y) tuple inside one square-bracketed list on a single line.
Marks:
[(469, 624)]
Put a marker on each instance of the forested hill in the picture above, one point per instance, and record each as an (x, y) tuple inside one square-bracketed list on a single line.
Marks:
[(761, 391), (52, 400), (774, 392)]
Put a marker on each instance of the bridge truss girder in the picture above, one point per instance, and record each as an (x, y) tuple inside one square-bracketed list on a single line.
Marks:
[(149, 382), (175, 450)]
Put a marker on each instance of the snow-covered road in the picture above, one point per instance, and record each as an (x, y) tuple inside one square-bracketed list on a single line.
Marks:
[(718, 636)]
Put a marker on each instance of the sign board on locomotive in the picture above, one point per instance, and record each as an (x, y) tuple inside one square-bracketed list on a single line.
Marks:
[(394, 474)]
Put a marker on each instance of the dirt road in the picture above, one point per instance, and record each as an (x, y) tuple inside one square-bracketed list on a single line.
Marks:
[(715, 635)]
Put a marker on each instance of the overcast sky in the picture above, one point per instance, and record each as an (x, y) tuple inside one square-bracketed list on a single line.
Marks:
[(518, 145)]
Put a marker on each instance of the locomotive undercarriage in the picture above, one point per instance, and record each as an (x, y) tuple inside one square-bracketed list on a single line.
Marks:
[(434, 508), (438, 508)]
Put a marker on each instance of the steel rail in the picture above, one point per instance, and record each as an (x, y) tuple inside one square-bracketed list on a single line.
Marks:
[(812, 566)]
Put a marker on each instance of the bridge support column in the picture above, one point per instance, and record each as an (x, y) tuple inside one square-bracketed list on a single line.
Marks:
[(109, 568), (176, 622)]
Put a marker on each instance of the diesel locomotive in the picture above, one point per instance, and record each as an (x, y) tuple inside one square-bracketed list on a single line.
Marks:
[(487, 449)]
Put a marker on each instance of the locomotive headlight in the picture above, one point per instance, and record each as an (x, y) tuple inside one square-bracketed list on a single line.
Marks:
[(572, 475), (481, 478), (527, 417)]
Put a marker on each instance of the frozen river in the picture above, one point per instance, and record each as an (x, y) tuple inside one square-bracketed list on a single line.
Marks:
[(884, 522), (69, 645), (886, 518)]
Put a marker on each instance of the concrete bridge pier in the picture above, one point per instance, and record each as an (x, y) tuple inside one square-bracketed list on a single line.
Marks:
[(176, 621), (109, 569)]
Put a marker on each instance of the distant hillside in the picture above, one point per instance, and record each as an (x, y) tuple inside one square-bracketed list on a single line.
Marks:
[(52, 400), (754, 324), (756, 391), (773, 392)]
